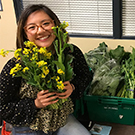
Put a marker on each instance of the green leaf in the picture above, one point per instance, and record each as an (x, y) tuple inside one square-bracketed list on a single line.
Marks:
[(49, 85), (59, 65), (71, 47), (69, 74), (117, 53), (68, 68)]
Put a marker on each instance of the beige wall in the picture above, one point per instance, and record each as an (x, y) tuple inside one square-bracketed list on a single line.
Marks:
[(8, 34), (7, 29), (87, 44)]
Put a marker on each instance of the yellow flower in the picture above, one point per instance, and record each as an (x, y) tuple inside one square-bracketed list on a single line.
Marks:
[(65, 24), (45, 70), (35, 49), (41, 63), (25, 69), (48, 55), (18, 67), (34, 57), (60, 72), (60, 85), (42, 76), (4, 53), (58, 78), (48, 81), (12, 71), (26, 51), (17, 53), (18, 58), (29, 44), (42, 50), (54, 27), (15, 69)]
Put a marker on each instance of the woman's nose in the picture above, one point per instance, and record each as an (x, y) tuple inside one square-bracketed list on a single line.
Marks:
[(40, 29)]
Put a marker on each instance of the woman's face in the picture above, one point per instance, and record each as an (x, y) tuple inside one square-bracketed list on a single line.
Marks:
[(38, 29)]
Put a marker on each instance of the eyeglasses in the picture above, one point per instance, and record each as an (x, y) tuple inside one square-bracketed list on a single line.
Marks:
[(33, 28)]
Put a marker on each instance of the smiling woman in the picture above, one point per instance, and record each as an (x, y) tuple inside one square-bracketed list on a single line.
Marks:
[(37, 24)]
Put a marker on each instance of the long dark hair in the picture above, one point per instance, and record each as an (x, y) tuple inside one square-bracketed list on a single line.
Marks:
[(21, 36)]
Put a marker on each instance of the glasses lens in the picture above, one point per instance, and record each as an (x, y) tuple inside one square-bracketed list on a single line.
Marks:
[(32, 28), (46, 24)]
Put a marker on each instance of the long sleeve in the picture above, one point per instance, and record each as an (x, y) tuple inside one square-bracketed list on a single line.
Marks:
[(83, 76), (14, 110)]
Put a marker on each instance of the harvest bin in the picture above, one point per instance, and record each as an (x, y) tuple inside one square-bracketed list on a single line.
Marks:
[(110, 109)]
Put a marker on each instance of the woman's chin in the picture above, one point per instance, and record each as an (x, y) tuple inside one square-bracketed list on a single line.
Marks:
[(44, 45)]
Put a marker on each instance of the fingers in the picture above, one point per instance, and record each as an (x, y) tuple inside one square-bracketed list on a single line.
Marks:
[(63, 95), (45, 98), (68, 91)]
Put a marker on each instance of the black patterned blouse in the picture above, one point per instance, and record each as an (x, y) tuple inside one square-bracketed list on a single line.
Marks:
[(21, 112)]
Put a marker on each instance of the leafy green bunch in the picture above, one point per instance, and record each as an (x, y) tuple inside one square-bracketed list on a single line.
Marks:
[(41, 69), (128, 69)]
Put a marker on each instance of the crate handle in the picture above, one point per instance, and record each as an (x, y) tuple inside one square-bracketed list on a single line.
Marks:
[(107, 101), (130, 102)]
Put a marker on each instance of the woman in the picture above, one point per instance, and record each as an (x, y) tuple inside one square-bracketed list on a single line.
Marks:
[(35, 24)]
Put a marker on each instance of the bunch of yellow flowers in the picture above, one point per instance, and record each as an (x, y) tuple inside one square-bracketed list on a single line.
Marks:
[(36, 65)]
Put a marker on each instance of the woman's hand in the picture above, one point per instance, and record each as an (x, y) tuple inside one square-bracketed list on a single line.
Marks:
[(69, 89), (45, 98)]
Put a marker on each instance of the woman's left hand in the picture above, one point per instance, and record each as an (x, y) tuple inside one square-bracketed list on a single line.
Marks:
[(68, 90)]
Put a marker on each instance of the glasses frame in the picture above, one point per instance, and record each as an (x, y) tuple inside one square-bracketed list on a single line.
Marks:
[(37, 26)]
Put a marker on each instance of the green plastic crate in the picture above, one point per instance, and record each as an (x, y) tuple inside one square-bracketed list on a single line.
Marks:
[(110, 109)]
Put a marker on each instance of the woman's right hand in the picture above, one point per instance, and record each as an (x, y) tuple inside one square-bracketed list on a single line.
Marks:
[(45, 98)]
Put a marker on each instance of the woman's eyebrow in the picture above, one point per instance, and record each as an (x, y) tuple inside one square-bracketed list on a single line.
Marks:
[(45, 20), (40, 22), (30, 24)]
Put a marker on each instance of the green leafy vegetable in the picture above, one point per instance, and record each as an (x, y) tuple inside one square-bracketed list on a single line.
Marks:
[(106, 66), (128, 69)]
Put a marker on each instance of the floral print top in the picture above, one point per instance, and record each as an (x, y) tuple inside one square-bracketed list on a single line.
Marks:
[(17, 111)]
